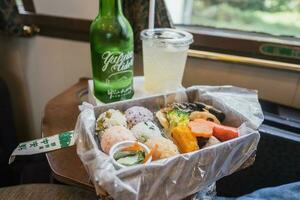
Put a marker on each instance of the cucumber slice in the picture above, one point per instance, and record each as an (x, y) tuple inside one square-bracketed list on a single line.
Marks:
[(130, 160), (123, 154)]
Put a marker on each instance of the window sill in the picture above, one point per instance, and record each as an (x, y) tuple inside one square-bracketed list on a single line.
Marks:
[(244, 60)]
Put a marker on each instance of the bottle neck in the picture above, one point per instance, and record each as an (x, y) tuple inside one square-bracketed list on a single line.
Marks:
[(110, 7)]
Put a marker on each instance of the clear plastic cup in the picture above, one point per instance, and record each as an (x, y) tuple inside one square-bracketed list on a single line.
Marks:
[(164, 57)]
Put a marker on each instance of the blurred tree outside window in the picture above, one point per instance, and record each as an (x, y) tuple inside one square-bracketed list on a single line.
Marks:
[(275, 17)]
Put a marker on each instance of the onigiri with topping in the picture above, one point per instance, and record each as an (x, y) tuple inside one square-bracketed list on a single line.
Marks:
[(164, 148), (137, 114), (115, 135), (145, 130), (109, 119)]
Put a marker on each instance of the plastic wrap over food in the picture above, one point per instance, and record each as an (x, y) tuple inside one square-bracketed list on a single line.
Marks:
[(182, 175)]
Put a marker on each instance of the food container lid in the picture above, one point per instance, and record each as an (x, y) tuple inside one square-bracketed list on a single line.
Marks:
[(168, 36)]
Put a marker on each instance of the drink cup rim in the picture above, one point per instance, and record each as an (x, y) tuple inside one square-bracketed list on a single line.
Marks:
[(172, 36)]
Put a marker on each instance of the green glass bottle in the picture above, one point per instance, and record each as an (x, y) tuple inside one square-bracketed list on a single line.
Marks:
[(111, 40)]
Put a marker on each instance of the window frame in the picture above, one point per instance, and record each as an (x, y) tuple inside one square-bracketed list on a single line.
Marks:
[(239, 43), (52, 26), (206, 39)]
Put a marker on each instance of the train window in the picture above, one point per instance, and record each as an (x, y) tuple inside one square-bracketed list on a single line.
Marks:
[(267, 29), (275, 17), (255, 29)]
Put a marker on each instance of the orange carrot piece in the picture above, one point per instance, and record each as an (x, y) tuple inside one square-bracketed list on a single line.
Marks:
[(134, 147), (151, 153)]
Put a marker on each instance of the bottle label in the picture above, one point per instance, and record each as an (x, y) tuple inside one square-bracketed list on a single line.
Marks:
[(117, 73), (117, 62)]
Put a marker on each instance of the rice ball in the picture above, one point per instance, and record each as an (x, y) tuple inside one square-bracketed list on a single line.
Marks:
[(137, 114), (115, 135), (145, 130), (165, 147), (109, 119)]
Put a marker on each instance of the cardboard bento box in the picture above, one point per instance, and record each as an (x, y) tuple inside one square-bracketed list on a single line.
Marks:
[(182, 175)]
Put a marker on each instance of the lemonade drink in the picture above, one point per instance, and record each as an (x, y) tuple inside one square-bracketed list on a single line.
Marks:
[(164, 58)]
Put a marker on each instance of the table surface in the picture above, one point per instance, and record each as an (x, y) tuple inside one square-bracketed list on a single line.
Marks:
[(60, 115)]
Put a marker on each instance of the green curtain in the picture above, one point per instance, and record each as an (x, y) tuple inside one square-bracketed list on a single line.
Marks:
[(136, 11), (9, 21)]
